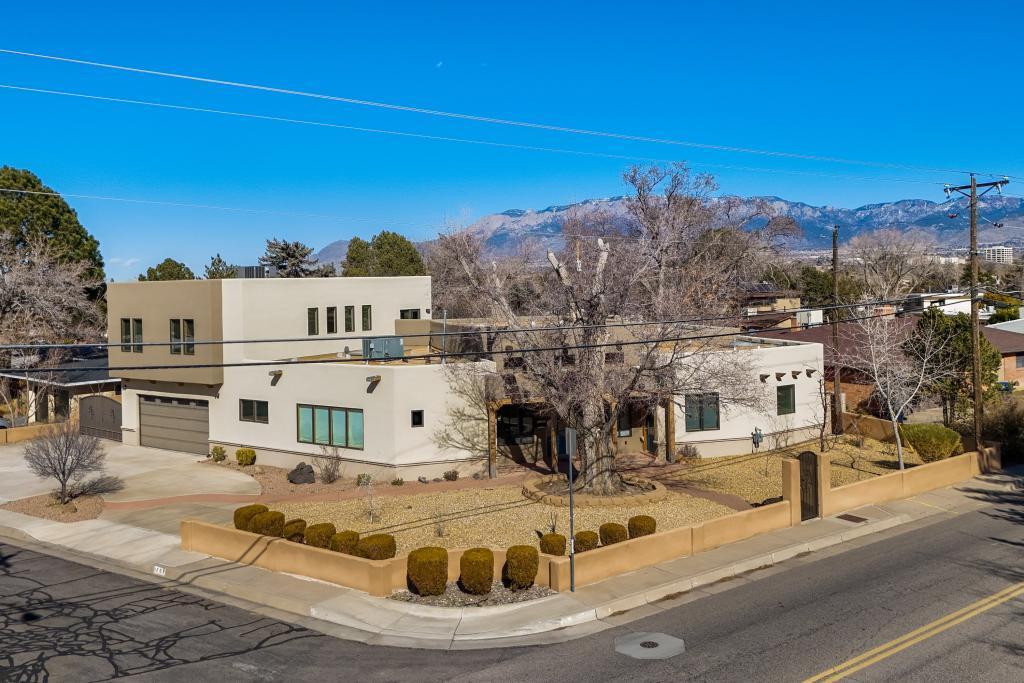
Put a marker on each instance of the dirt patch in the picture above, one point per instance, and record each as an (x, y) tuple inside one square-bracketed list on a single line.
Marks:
[(47, 507), (274, 482), (454, 597), (495, 516)]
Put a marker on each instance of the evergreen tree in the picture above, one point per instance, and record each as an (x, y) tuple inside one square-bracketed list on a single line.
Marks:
[(46, 215), (291, 259), (218, 269), (168, 269), (388, 254), (358, 259)]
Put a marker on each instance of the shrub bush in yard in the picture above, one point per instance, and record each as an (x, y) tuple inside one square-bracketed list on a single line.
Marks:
[(521, 564), (245, 456), (376, 547), (451, 475), (344, 542), (245, 513), (218, 454), (293, 530), (641, 525), (552, 544), (428, 570), (933, 442), (586, 540), (476, 571), (267, 523), (612, 533), (319, 535)]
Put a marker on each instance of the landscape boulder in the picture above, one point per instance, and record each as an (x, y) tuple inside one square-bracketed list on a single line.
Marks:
[(302, 474)]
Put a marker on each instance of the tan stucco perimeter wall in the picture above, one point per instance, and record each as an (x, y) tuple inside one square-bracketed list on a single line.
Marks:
[(17, 434)]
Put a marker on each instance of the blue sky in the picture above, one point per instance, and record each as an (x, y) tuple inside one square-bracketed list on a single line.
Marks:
[(888, 83)]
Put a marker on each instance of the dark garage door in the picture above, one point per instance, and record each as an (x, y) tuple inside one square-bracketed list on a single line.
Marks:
[(177, 424)]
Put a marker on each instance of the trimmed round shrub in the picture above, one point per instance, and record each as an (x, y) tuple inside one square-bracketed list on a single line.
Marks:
[(476, 571), (319, 535), (344, 542), (586, 540), (245, 513), (218, 454), (451, 475), (933, 442), (428, 570), (293, 530), (245, 456), (521, 564), (611, 532), (267, 523), (552, 544), (641, 525), (376, 547)]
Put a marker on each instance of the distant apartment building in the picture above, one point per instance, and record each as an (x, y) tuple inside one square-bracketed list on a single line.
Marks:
[(351, 368), (997, 254)]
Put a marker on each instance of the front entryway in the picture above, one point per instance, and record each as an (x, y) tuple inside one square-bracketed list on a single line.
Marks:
[(176, 424), (808, 485)]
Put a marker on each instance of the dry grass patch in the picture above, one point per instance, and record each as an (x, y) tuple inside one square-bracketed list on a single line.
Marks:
[(497, 517), (757, 478)]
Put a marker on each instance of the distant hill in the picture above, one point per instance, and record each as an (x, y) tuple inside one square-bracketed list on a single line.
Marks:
[(502, 231)]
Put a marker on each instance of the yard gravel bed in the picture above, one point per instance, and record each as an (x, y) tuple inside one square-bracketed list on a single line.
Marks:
[(47, 507), (454, 597), (494, 516)]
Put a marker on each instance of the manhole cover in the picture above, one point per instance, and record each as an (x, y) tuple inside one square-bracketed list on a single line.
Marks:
[(852, 518), (649, 645)]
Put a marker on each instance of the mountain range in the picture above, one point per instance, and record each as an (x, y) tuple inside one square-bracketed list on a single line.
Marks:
[(948, 221)]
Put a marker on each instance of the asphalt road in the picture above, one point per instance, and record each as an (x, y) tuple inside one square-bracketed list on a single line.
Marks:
[(64, 621)]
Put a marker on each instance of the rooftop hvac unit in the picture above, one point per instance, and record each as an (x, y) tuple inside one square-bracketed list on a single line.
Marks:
[(383, 347)]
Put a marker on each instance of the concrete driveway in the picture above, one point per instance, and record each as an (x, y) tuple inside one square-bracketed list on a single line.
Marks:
[(148, 473)]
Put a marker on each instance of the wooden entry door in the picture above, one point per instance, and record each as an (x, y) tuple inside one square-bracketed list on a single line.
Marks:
[(809, 486)]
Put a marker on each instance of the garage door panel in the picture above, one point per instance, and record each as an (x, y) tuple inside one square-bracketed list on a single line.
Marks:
[(179, 425)]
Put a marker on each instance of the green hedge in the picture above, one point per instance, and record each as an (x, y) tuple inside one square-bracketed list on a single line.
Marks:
[(476, 571), (376, 547), (344, 542), (245, 513), (552, 544), (641, 525), (428, 570), (521, 565), (319, 535), (611, 532), (933, 442)]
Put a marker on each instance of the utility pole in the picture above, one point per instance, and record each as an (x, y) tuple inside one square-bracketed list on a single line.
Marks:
[(971, 192), (837, 382)]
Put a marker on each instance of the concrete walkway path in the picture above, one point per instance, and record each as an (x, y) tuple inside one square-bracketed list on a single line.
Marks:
[(147, 473), (354, 615)]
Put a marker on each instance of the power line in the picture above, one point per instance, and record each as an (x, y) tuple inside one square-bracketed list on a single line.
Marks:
[(444, 138), (485, 119), (472, 331)]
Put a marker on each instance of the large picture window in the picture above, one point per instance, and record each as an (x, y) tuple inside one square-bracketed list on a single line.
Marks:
[(327, 426), (785, 399), (702, 412)]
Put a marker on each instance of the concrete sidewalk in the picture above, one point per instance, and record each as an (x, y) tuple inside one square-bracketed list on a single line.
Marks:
[(354, 615)]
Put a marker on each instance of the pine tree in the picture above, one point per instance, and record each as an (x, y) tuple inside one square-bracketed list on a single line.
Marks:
[(168, 269), (218, 269), (388, 254), (358, 260), (291, 259)]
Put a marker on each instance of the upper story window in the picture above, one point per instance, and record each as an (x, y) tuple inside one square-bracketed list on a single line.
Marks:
[(367, 317), (313, 321), (183, 336), (785, 399), (701, 412), (409, 314), (350, 318), (332, 320), (131, 335)]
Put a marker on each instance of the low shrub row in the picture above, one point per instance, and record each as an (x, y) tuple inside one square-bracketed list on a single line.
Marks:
[(244, 456), (260, 520), (428, 569), (606, 534)]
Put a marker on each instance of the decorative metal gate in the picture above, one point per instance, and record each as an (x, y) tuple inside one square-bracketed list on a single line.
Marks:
[(100, 416), (809, 485)]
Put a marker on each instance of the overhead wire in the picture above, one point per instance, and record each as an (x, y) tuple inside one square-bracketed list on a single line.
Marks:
[(486, 119)]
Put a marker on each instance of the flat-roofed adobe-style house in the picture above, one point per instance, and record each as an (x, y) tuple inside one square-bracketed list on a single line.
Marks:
[(363, 380)]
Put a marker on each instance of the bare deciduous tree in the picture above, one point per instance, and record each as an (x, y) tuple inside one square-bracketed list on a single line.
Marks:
[(900, 363), (62, 453), (328, 464), (682, 257), (892, 263)]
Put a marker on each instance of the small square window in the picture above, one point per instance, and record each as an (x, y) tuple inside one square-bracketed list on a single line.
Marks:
[(417, 418)]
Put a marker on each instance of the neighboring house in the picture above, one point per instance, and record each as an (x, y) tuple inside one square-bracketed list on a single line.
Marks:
[(764, 297), (378, 408), (951, 303), (54, 395), (1010, 345)]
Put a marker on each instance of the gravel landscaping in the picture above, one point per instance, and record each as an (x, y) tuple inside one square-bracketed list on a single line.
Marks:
[(273, 481), (757, 478), (47, 507), (454, 597), (493, 516)]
